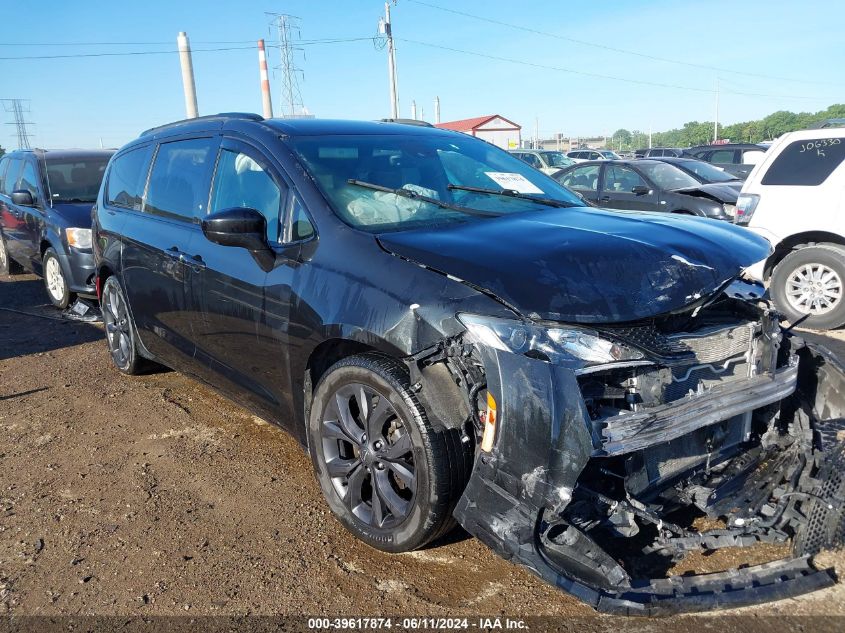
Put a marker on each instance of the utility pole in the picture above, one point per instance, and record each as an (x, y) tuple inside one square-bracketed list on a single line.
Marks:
[(18, 108), (414, 109), (437, 109), (188, 85), (386, 30), (266, 101), (716, 122), (649, 135), (536, 132), (291, 95)]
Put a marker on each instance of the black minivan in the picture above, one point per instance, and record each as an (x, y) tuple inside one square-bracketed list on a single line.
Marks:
[(453, 336), (45, 217)]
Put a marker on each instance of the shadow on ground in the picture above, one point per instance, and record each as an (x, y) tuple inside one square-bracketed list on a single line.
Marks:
[(29, 324)]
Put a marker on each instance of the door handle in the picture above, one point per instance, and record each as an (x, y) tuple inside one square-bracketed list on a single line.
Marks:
[(173, 252), (604, 199)]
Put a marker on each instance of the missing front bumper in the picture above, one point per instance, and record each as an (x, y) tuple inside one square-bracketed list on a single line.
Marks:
[(516, 497)]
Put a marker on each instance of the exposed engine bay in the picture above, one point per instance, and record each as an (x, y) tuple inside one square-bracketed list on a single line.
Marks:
[(721, 430)]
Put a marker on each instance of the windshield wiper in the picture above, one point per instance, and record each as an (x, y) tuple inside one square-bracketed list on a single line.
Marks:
[(511, 193), (412, 195)]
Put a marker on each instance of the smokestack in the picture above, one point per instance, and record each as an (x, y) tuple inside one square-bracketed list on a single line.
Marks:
[(187, 75), (414, 109), (437, 109), (266, 103)]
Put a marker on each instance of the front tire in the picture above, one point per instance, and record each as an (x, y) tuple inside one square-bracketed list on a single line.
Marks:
[(811, 280), (388, 475), (54, 280), (121, 335)]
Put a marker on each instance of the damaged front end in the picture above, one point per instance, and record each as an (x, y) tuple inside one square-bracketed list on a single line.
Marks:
[(607, 455)]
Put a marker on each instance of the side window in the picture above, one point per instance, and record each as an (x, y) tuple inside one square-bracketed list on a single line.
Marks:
[(240, 181), (595, 156), (127, 177), (582, 178), (28, 180), (621, 179), (805, 163), (12, 176), (532, 160), (723, 156), (179, 178), (752, 156), (300, 226), (4, 165)]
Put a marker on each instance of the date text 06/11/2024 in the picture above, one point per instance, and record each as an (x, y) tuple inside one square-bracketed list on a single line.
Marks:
[(417, 623)]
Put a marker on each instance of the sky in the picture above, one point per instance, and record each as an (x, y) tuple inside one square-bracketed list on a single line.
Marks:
[(765, 56)]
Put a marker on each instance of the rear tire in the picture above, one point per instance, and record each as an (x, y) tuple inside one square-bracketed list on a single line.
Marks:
[(121, 336), (387, 474), (55, 281), (8, 266), (811, 280)]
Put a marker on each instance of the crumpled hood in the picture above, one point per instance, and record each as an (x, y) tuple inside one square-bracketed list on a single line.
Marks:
[(721, 191), (73, 214), (587, 265)]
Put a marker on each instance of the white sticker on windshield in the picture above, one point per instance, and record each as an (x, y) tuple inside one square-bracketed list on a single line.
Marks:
[(514, 182)]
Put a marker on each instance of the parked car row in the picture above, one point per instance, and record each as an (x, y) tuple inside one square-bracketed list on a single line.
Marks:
[(454, 336)]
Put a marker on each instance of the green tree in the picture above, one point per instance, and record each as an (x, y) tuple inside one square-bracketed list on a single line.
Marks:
[(622, 136)]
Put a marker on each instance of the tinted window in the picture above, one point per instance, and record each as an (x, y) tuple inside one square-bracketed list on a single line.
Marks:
[(12, 176), (240, 181), (594, 155), (75, 180), (722, 156), (582, 178), (179, 178), (301, 227), (127, 178), (621, 179), (28, 180), (806, 163), (707, 172)]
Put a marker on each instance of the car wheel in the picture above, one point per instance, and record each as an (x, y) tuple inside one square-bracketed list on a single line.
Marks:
[(811, 281), (388, 475), (54, 280), (7, 265), (121, 335)]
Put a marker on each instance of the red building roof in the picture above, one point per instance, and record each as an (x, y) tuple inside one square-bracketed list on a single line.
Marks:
[(467, 125)]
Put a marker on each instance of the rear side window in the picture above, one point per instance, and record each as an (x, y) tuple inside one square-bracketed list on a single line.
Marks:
[(180, 177), (240, 181), (582, 178), (28, 180), (806, 163), (127, 177)]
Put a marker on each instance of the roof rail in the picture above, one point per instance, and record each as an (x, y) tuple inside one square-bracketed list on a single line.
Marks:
[(247, 116), (407, 122)]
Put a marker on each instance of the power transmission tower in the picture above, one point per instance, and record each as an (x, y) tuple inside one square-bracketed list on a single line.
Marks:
[(18, 108), (291, 95)]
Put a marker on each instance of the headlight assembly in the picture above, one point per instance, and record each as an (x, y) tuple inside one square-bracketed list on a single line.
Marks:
[(577, 347), (79, 238)]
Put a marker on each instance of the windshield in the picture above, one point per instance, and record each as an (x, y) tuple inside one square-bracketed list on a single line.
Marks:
[(667, 176), (707, 172), (557, 159), (75, 179), (610, 155), (424, 165)]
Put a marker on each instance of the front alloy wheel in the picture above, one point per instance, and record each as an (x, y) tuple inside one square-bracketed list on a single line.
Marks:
[(387, 474), (54, 280)]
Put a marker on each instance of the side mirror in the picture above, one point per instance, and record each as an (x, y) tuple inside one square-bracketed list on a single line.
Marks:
[(22, 198), (238, 226), (640, 190)]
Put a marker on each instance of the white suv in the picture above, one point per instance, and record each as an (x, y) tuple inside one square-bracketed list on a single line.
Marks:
[(795, 197)]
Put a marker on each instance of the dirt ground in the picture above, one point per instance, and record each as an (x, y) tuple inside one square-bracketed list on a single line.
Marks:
[(154, 496)]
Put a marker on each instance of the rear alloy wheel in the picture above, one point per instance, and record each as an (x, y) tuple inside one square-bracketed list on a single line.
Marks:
[(120, 331), (54, 280), (386, 473), (811, 281)]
